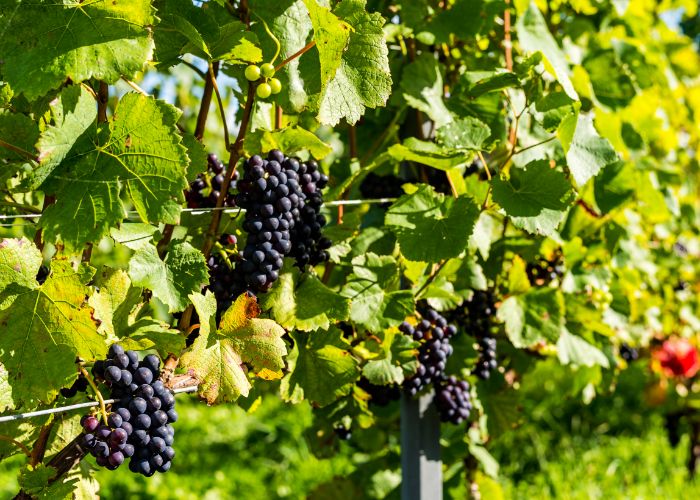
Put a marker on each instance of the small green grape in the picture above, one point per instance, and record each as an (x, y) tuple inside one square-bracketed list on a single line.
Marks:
[(268, 70), (252, 73), (275, 85), (263, 91)]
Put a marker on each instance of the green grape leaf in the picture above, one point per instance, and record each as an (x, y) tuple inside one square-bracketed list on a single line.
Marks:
[(134, 235), (20, 261), (43, 331), (427, 153), (399, 358), (586, 151), (572, 349), (536, 198), (184, 271), (321, 368), (304, 303), (363, 78), (448, 221), (289, 139), (197, 153), (115, 289), (615, 185), (459, 20), (464, 133), (152, 334), (371, 304), (534, 35), (185, 28), (24, 430), (19, 131), (331, 35), (611, 84), (138, 153), (44, 43), (490, 82), (533, 317), (554, 108), (422, 88), (217, 359)]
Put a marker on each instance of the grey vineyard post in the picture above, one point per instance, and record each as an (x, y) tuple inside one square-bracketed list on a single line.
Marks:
[(421, 467)]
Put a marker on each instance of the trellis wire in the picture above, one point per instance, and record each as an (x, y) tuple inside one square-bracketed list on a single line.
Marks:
[(38, 413), (202, 211)]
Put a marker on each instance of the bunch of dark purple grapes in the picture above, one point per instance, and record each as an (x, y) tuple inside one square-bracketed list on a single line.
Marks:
[(80, 385), (434, 335), (375, 186), (205, 190), (628, 353), (380, 395), (475, 317), (309, 246), (271, 194), (544, 271), (453, 400), (282, 199), (139, 426), (224, 283)]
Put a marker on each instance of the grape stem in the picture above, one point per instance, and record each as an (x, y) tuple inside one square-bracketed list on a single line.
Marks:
[(19, 151), (21, 446), (98, 394), (434, 274), (222, 111), (298, 53)]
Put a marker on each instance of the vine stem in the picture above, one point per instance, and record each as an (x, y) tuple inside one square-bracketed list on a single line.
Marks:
[(507, 41), (206, 101), (98, 394), (220, 103), (434, 274), (298, 53), (21, 446), (38, 241), (134, 86), (19, 151), (39, 449)]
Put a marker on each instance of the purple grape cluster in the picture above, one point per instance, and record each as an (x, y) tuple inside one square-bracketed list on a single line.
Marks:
[(309, 246), (223, 281), (434, 335), (205, 190), (282, 199), (628, 353), (271, 194), (139, 426), (80, 385), (452, 400), (380, 395), (107, 443), (475, 317)]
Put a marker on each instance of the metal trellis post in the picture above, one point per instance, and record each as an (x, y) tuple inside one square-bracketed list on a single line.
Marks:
[(421, 466)]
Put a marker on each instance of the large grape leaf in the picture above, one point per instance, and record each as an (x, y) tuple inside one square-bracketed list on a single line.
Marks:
[(422, 87), (431, 226), (139, 154), (304, 303), (217, 358), (19, 263), (371, 304), (208, 32), (536, 198), (20, 131), (363, 78), (572, 349), (331, 35), (289, 139), (43, 331), (321, 368), (428, 153), (586, 151), (534, 35), (184, 271), (534, 317), (44, 43), (117, 306), (464, 133)]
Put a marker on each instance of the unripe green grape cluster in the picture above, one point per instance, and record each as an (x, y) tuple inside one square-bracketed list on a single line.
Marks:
[(270, 86)]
